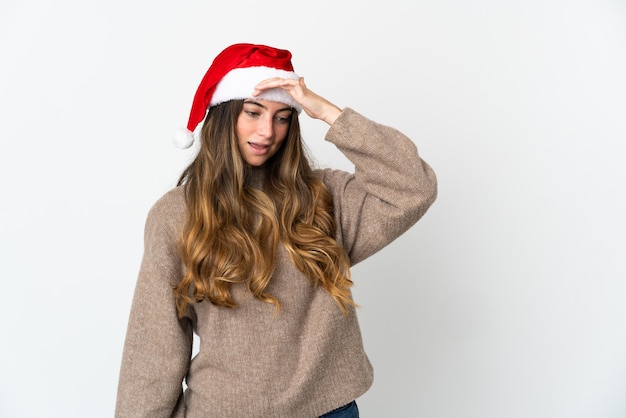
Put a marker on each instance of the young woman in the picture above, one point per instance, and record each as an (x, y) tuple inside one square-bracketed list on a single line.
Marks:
[(252, 252)]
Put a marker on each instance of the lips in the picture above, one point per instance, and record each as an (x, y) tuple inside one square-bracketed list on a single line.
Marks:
[(259, 149)]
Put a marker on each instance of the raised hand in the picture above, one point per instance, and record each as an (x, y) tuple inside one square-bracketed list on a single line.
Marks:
[(313, 104)]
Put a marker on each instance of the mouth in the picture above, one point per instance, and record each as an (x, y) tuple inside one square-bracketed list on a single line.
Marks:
[(259, 149)]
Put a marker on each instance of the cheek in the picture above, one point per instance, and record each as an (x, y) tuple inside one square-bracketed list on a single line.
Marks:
[(281, 133), (240, 130), (244, 127)]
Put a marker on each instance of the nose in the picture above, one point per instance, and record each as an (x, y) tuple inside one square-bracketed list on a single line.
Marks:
[(265, 127)]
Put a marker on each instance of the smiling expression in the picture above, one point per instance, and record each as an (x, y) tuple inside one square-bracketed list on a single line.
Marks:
[(262, 126)]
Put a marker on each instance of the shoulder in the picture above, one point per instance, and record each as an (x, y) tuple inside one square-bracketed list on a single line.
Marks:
[(331, 176), (335, 180), (173, 201), (168, 210)]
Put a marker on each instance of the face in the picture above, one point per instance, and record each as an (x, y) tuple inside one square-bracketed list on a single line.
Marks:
[(262, 127)]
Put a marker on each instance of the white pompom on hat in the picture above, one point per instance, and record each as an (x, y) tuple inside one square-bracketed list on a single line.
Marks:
[(233, 75)]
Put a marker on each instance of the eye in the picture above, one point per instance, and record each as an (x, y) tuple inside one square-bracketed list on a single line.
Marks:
[(251, 113), (282, 118)]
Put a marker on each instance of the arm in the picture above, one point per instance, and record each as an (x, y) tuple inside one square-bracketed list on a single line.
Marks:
[(390, 190), (158, 345), (392, 187)]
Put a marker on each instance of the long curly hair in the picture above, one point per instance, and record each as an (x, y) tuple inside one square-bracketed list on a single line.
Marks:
[(232, 230)]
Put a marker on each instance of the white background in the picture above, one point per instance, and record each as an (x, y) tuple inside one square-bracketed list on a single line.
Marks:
[(508, 299)]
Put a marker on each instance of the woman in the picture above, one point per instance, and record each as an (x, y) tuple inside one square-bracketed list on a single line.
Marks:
[(252, 252)]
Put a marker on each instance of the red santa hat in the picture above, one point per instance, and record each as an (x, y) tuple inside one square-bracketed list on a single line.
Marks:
[(233, 75)]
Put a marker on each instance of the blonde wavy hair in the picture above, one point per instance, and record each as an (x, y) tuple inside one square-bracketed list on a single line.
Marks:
[(232, 231)]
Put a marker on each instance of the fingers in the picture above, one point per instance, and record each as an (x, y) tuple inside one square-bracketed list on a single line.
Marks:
[(276, 82), (314, 105)]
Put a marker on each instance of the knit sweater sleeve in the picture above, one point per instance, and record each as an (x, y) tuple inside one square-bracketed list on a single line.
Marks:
[(390, 190), (158, 345)]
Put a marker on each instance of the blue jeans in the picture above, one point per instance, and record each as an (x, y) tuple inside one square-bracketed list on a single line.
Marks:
[(347, 411)]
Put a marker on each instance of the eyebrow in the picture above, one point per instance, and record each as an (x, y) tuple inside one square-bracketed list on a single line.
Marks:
[(264, 107)]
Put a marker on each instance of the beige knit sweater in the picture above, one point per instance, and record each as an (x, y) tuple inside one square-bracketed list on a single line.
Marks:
[(303, 362)]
